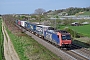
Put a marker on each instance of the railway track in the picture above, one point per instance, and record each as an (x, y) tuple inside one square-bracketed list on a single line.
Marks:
[(83, 52), (86, 51), (70, 54), (75, 55)]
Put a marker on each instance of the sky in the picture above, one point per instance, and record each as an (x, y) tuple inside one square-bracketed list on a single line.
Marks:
[(29, 6)]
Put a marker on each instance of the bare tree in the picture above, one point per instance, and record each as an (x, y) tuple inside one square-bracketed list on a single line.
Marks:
[(39, 11)]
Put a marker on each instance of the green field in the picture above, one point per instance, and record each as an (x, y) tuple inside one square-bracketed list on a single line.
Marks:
[(29, 49), (85, 29), (85, 13)]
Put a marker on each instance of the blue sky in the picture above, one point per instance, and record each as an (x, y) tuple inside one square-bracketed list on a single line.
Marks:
[(29, 6)]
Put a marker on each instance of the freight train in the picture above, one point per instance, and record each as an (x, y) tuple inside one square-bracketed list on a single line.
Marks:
[(59, 37)]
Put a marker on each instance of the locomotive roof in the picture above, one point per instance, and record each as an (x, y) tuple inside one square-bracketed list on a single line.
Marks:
[(61, 31), (43, 26)]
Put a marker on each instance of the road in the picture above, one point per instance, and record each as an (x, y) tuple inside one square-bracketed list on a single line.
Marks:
[(9, 51)]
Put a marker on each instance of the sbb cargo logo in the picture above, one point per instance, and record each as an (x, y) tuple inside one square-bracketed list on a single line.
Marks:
[(31, 26), (39, 29), (48, 35)]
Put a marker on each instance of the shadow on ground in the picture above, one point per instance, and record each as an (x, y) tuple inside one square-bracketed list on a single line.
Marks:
[(80, 44)]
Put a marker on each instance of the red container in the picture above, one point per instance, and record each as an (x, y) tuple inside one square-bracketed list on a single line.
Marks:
[(19, 22)]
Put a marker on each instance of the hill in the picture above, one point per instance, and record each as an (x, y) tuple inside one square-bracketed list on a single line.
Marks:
[(70, 11)]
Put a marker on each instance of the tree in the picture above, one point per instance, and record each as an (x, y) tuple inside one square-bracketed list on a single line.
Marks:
[(39, 11), (23, 18), (33, 16)]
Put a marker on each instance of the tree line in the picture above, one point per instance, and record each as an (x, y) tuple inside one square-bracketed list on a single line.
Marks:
[(71, 10)]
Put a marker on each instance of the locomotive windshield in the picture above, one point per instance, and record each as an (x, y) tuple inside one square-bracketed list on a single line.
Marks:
[(51, 28), (66, 37)]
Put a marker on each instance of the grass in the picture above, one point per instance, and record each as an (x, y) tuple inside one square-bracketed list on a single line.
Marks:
[(0, 39), (86, 13), (85, 29), (29, 49), (82, 42), (1, 42)]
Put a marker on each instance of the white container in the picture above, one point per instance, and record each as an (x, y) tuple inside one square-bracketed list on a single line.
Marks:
[(23, 23), (41, 29)]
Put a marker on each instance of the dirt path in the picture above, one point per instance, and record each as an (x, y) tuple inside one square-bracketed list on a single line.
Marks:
[(9, 51)]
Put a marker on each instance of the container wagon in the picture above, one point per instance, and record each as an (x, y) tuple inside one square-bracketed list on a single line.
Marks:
[(30, 27), (41, 28), (23, 23)]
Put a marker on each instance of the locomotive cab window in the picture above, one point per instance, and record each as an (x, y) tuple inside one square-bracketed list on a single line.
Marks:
[(51, 28), (66, 37), (58, 36)]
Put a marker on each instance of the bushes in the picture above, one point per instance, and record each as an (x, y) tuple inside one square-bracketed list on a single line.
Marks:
[(1, 42), (73, 33), (88, 42)]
